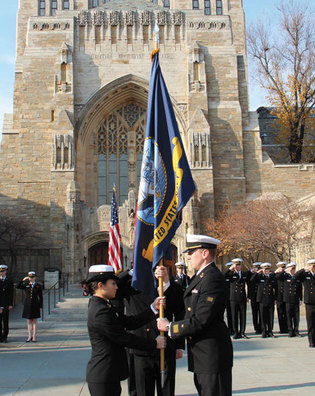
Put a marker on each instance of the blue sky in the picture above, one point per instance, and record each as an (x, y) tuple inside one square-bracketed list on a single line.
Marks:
[(254, 9)]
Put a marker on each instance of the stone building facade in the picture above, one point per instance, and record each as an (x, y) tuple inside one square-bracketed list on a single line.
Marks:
[(80, 96)]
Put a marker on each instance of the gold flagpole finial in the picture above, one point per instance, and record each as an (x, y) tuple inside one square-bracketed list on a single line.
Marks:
[(156, 41)]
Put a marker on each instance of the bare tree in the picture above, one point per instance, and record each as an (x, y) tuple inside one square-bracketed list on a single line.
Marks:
[(16, 234), (285, 66), (273, 226)]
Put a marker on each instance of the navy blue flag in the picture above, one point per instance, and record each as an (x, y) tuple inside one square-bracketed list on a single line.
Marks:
[(166, 184)]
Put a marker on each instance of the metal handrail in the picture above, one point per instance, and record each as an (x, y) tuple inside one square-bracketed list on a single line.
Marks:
[(53, 289)]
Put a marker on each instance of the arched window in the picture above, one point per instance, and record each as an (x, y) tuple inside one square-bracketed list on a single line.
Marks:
[(166, 3), (53, 7), (195, 4), (66, 4), (42, 7), (219, 7), (120, 147), (207, 8), (94, 3)]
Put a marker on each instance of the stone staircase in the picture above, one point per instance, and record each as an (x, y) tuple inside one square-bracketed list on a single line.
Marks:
[(72, 308)]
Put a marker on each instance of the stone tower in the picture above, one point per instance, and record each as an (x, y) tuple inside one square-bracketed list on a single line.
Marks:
[(80, 96)]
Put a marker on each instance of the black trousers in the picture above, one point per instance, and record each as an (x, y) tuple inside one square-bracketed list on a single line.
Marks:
[(104, 389), (238, 316), (4, 323), (266, 316), (255, 314), (310, 320), (293, 316), (218, 384), (131, 379), (282, 317), (229, 316), (147, 375)]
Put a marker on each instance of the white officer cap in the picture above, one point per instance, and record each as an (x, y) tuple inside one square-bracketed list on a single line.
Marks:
[(3, 267), (31, 273), (257, 264), (228, 264), (180, 264), (100, 272), (311, 262), (265, 265), (237, 260), (281, 263), (290, 265), (200, 241)]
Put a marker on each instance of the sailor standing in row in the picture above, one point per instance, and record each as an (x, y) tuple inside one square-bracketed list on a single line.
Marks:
[(181, 277), (307, 276), (238, 296), (281, 308), (252, 295), (228, 303), (6, 302), (266, 295)]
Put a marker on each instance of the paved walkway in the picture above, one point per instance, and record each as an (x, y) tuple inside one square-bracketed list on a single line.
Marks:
[(56, 363)]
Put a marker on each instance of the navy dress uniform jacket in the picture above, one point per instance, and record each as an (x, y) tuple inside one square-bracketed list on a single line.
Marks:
[(209, 345), (292, 288), (33, 299), (108, 337), (6, 293), (238, 285), (267, 288), (308, 280)]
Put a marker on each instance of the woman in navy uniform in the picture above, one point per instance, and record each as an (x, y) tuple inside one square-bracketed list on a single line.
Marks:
[(210, 350), (108, 336), (307, 276), (33, 303)]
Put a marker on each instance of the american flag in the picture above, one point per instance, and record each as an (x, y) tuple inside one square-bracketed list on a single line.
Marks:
[(114, 252)]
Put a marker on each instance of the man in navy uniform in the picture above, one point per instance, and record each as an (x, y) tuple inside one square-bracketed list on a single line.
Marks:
[(210, 351), (228, 303), (6, 302), (252, 295), (292, 295), (307, 276), (281, 309), (266, 295), (181, 278), (238, 296)]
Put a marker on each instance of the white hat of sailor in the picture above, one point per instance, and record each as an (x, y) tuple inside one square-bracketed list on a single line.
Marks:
[(291, 265), (101, 272), (228, 264), (281, 264), (180, 264), (257, 264), (237, 260), (200, 241), (265, 265), (311, 262), (3, 267)]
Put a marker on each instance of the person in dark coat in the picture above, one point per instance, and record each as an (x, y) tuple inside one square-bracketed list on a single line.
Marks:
[(181, 277), (210, 350), (33, 303), (228, 303), (238, 296), (147, 363), (281, 308), (6, 302), (108, 335), (266, 295), (307, 277), (292, 296), (252, 295)]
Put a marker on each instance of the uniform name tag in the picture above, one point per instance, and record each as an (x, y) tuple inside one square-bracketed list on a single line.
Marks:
[(210, 299), (194, 291)]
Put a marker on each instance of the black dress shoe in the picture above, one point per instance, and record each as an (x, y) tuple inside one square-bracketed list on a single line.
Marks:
[(243, 335), (312, 345), (263, 335), (291, 334), (271, 334), (236, 336), (28, 340), (297, 334)]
